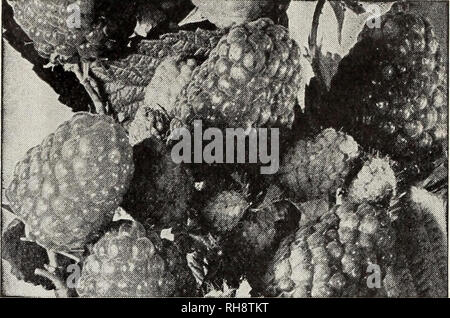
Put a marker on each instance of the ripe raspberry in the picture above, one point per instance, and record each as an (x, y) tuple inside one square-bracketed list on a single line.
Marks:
[(161, 189), (375, 183), (49, 26), (125, 263), (225, 210), (69, 186), (317, 168), (315, 262), (397, 100), (148, 123), (225, 13), (170, 78), (250, 79)]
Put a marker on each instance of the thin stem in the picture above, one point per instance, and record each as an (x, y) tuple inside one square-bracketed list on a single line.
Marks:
[(61, 290), (72, 257), (88, 86), (52, 261), (315, 25)]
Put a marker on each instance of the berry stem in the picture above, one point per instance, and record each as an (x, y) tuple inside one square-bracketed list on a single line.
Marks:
[(52, 261), (315, 25), (61, 291), (89, 85)]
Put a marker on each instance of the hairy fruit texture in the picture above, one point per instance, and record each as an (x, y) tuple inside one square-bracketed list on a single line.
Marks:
[(67, 187), (312, 169), (225, 210), (375, 183), (249, 80), (331, 257), (225, 13), (390, 92), (125, 263)]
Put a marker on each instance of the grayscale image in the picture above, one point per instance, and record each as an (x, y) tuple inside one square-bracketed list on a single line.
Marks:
[(224, 148)]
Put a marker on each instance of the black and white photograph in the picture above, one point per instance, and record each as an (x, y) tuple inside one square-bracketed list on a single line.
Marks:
[(224, 149)]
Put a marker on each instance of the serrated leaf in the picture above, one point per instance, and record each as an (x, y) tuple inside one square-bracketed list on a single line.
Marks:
[(25, 257), (313, 210), (424, 243)]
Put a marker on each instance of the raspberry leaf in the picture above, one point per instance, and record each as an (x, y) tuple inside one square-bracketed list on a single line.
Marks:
[(25, 257)]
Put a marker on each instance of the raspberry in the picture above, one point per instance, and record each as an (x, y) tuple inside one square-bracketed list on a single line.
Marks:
[(67, 187), (313, 169), (224, 13), (397, 101), (49, 26), (376, 182), (249, 80), (310, 263), (125, 263)]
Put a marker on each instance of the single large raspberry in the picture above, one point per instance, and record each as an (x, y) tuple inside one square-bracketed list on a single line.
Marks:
[(249, 80), (390, 92), (125, 263), (312, 169), (65, 30), (66, 188), (225, 13), (333, 256)]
